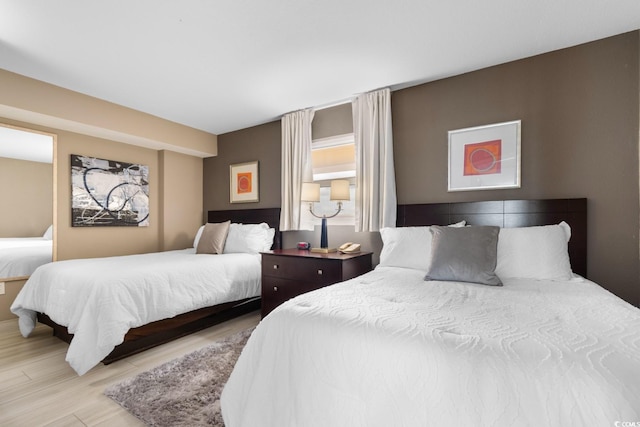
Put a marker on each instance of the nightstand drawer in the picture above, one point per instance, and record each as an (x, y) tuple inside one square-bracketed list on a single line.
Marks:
[(318, 271), (275, 291), (287, 273)]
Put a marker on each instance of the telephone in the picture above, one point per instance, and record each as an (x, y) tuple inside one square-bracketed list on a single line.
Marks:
[(349, 248)]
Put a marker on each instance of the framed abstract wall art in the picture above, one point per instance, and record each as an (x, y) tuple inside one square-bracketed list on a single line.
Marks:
[(243, 182), (485, 157), (108, 193)]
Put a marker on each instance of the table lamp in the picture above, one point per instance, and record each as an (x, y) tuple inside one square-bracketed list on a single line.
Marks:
[(311, 193)]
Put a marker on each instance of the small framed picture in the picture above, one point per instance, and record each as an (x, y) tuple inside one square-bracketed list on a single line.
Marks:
[(485, 157), (243, 184)]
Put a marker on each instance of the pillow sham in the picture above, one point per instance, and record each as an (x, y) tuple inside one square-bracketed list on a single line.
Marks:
[(198, 235), (539, 252), (213, 238), (408, 247), (249, 238), (48, 234), (467, 254)]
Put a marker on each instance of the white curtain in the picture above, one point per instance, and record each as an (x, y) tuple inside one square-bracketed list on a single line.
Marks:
[(296, 165), (376, 203)]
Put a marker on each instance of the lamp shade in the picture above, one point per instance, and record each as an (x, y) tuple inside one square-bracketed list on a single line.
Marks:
[(310, 192), (340, 189)]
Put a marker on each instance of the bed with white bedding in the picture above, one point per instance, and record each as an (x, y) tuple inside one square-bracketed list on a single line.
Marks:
[(20, 256), (100, 299), (101, 305), (391, 348), (386, 349)]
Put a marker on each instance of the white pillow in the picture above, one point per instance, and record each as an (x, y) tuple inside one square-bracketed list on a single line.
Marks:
[(540, 252), (249, 238), (48, 234), (198, 235), (408, 247)]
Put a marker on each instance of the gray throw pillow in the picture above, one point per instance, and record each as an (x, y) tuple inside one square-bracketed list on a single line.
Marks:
[(467, 254), (214, 236)]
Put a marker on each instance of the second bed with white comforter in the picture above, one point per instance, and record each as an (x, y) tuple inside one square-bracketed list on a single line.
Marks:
[(100, 299)]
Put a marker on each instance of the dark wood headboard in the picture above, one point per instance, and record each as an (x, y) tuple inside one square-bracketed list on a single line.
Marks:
[(251, 216), (509, 213)]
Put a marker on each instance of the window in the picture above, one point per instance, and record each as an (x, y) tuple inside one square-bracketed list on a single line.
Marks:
[(332, 158)]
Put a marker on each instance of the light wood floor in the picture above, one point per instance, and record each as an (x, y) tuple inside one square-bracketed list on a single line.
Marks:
[(38, 388)]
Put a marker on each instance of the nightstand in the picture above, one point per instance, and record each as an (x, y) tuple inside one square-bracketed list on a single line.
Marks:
[(287, 273)]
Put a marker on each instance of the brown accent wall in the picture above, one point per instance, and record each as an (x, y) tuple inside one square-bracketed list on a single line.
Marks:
[(579, 109), (26, 192), (580, 112), (337, 120), (260, 143)]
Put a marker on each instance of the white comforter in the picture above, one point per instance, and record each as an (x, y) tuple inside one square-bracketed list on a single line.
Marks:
[(19, 257), (100, 299), (389, 349)]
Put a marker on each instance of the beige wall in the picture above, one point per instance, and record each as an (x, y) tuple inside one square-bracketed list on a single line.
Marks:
[(180, 199), (11, 289), (26, 192), (39, 103), (175, 202), (179, 226), (580, 110), (90, 242), (175, 198), (95, 128)]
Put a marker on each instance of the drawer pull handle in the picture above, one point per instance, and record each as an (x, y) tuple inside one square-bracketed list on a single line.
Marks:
[(275, 289), (319, 272), (275, 266)]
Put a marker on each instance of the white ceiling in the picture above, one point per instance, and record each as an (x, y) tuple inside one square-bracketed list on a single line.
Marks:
[(225, 65)]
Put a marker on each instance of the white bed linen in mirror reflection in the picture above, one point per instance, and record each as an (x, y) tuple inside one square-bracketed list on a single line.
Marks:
[(19, 257)]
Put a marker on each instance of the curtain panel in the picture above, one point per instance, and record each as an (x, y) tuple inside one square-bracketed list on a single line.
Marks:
[(376, 204), (296, 165)]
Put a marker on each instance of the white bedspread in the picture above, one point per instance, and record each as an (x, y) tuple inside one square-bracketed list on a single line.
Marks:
[(100, 299), (19, 257), (389, 349)]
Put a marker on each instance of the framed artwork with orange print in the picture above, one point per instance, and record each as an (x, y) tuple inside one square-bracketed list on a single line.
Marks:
[(243, 184), (485, 157)]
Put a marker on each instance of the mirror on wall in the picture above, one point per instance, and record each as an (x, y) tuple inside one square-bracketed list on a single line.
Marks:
[(26, 192)]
